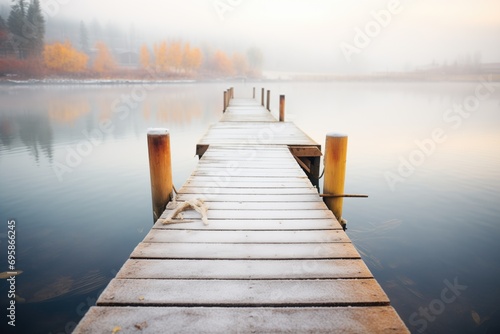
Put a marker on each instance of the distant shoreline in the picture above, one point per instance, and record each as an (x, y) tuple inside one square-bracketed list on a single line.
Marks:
[(407, 77)]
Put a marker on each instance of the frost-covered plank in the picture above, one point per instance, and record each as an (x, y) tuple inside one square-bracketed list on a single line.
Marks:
[(245, 251), (244, 269), (267, 237), (233, 164), (236, 205), (251, 179), (254, 225), (247, 154), (256, 172), (310, 197), (210, 192), (152, 320), (256, 214), (348, 292), (233, 182)]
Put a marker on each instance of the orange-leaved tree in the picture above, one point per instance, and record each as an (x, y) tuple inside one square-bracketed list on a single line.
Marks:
[(222, 63), (144, 57), (63, 58), (104, 61), (161, 57), (174, 56), (191, 58)]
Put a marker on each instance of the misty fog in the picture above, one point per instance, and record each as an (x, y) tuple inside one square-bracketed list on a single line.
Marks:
[(297, 36)]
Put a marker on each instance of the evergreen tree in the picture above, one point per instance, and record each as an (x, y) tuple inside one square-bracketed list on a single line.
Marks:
[(36, 24), (16, 22), (4, 36), (84, 38), (3, 25)]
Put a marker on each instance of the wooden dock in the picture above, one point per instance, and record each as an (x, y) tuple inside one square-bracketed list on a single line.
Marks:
[(273, 258)]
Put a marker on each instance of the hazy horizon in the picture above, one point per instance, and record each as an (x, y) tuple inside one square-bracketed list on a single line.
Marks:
[(308, 36)]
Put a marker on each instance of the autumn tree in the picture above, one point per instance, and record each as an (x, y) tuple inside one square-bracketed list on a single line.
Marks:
[(196, 59), (191, 58), (174, 56), (144, 57), (240, 64), (104, 61), (161, 57), (185, 57), (222, 63), (63, 58)]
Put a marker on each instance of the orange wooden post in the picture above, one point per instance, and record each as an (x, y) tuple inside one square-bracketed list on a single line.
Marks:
[(160, 168), (335, 167)]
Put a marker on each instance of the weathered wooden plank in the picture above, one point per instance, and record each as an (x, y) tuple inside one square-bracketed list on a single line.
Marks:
[(244, 269), (252, 237), (246, 172), (256, 214), (253, 225), (263, 131), (261, 206), (348, 292), (254, 163), (152, 320), (256, 133), (291, 139), (250, 147), (309, 197), (212, 193), (306, 151), (250, 179), (248, 155), (245, 251), (245, 117), (234, 182)]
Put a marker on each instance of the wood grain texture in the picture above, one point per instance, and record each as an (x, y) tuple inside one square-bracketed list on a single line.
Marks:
[(152, 320)]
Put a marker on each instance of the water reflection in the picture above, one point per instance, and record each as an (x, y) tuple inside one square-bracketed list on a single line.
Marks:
[(71, 111), (440, 223)]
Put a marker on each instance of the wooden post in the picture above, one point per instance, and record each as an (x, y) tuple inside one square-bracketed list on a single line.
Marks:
[(160, 168), (262, 97), (225, 101), (254, 92), (335, 165), (282, 108), (231, 93), (269, 100)]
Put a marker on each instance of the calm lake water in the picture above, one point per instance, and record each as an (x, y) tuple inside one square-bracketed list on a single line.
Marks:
[(429, 230)]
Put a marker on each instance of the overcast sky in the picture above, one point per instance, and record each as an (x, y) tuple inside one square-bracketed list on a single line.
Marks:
[(311, 35)]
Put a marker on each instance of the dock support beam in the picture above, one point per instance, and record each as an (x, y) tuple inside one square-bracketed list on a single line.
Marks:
[(225, 101), (262, 96), (268, 100), (335, 166), (282, 108), (160, 168), (254, 92)]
